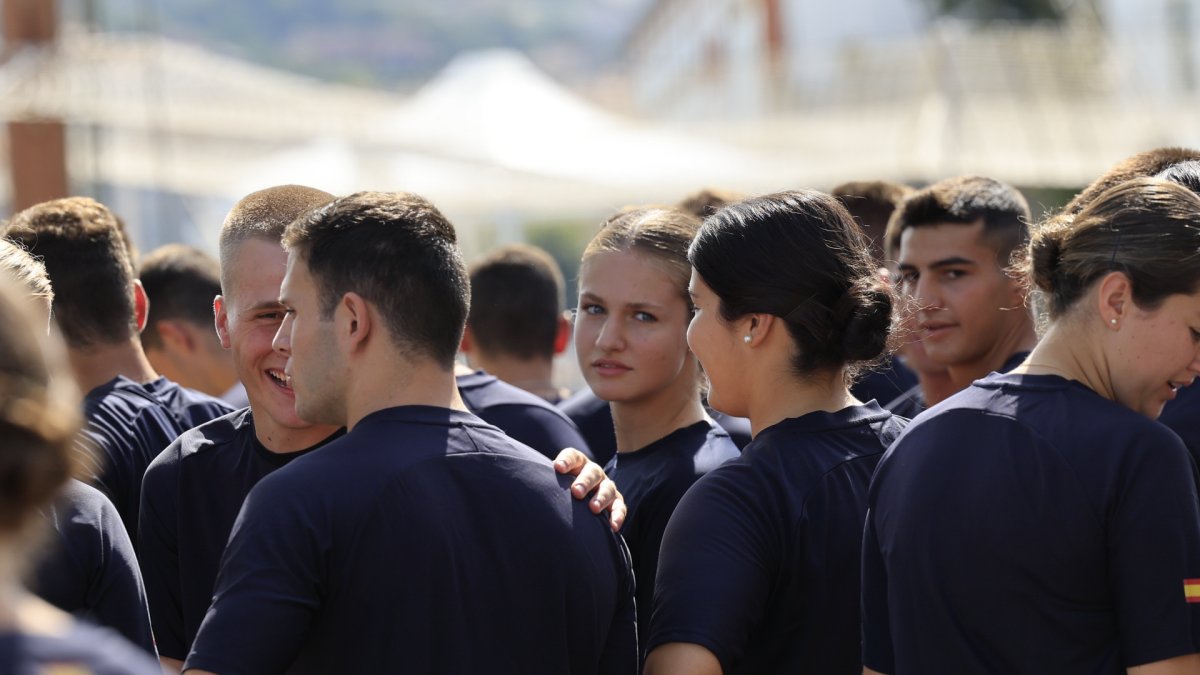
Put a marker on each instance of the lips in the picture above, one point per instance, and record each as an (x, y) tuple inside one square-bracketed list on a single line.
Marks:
[(934, 328), (280, 378), (609, 368)]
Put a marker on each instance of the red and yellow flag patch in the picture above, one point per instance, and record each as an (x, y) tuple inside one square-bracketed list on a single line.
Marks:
[(1191, 590)]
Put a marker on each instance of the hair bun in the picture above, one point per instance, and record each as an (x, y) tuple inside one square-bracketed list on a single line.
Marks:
[(1045, 252), (865, 321)]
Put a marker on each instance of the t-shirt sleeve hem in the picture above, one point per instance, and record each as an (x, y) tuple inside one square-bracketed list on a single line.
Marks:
[(696, 639), (212, 665), (1161, 653)]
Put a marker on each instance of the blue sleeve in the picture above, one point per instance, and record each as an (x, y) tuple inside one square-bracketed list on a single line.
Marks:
[(543, 429), (118, 597), (718, 556), (621, 656), (269, 587), (878, 652), (1154, 544), (158, 552)]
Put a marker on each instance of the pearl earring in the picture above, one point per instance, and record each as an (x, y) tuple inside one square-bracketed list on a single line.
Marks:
[(1113, 321), (747, 339)]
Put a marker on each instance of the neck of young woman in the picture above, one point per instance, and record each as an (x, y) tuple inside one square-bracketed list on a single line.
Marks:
[(640, 423), (786, 395), (1065, 350)]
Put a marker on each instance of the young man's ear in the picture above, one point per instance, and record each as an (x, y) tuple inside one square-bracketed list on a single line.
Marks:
[(353, 320), (562, 336), (221, 321), (468, 341), (141, 305)]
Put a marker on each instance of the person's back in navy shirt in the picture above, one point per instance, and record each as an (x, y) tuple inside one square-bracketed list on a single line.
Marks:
[(75, 648), (520, 414), (759, 563), (89, 567), (653, 479), (191, 496), (884, 383), (394, 547), (1028, 524), (127, 425), (912, 402), (1182, 415)]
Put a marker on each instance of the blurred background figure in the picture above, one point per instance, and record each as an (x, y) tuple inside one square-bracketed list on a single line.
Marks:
[(516, 325), (180, 340)]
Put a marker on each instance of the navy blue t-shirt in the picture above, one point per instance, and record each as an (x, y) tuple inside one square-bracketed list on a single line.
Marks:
[(126, 425), (427, 540), (1027, 524), (191, 496), (885, 383), (89, 568), (1182, 416), (594, 419), (523, 416), (653, 480), (80, 650), (760, 562)]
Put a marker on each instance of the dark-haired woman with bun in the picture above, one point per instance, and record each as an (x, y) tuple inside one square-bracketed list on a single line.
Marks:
[(759, 566), (39, 417), (1040, 521)]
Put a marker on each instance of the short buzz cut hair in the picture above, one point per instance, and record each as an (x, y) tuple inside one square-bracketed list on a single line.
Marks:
[(181, 282), (872, 203), (1142, 165), (398, 252), (86, 257), (264, 214), (967, 200), (517, 298)]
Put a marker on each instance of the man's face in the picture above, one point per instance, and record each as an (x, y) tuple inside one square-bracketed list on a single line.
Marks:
[(247, 319), (965, 303), (314, 365)]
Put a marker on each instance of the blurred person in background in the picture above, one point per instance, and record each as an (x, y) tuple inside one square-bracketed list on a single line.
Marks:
[(88, 568), (517, 325), (631, 341), (759, 566), (181, 283), (39, 419), (957, 238), (131, 412), (872, 204)]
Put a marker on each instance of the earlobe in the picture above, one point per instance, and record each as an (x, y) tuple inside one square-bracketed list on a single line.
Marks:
[(563, 336), (465, 345), (141, 305), (221, 321), (1114, 296)]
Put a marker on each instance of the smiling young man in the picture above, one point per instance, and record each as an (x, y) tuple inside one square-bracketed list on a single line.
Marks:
[(956, 241), (393, 545)]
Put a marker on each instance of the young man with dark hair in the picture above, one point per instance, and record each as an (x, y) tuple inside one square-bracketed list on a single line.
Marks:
[(131, 412), (516, 324), (1143, 164), (181, 282), (957, 238), (392, 546)]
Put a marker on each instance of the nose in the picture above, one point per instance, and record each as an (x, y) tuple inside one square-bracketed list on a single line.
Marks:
[(611, 337), (282, 341), (924, 294)]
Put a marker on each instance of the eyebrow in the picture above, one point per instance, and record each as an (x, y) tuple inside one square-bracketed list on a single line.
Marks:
[(266, 304), (632, 305), (944, 262)]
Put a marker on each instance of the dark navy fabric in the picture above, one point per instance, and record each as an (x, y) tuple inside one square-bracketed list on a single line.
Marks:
[(424, 540), (594, 420), (89, 567), (523, 416), (127, 425), (191, 496), (1182, 416), (80, 650), (1029, 525), (912, 402), (884, 383), (653, 480), (760, 561)]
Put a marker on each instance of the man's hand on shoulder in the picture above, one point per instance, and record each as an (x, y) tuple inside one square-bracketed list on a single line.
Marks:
[(590, 479)]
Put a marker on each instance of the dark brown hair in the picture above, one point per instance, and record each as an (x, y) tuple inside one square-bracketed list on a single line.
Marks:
[(703, 203), (872, 204), (967, 200), (398, 252), (181, 282), (799, 256), (1147, 228), (658, 232), (1141, 165), (516, 302), (85, 254)]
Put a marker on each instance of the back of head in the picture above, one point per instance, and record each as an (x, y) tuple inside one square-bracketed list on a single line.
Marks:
[(85, 254), (872, 203), (265, 215), (1186, 174), (399, 253), (708, 201), (516, 301), (181, 282), (799, 256), (967, 200), (662, 234), (1141, 165), (39, 412), (1146, 228)]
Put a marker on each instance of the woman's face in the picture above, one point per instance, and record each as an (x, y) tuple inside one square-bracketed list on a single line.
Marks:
[(716, 343), (1155, 353), (631, 330)]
